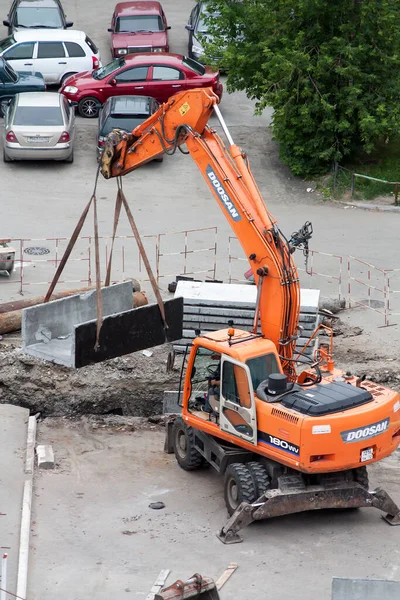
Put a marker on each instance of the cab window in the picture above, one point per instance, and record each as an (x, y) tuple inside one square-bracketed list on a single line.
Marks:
[(262, 366), (235, 385)]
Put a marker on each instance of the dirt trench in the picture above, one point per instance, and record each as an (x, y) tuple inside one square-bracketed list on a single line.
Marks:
[(132, 385)]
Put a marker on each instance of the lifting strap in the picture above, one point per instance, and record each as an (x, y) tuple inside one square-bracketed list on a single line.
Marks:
[(67, 253), (120, 200)]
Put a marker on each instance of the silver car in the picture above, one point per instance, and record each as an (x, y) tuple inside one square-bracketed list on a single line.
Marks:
[(38, 126)]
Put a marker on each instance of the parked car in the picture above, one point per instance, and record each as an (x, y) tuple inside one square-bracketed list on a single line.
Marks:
[(157, 75), (138, 27), (12, 83), (56, 54), (39, 127), (123, 112), (198, 31), (35, 14)]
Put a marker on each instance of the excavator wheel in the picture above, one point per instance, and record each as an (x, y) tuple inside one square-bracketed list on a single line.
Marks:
[(262, 480), (361, 476), (239, 486), (185, 452)]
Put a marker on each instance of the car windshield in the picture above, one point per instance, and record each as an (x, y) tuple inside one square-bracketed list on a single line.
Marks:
[(139, 23), (39, 17), (6, 43), (11, 74), (45, 116), (108, 69), (260, 367), (194, 65), (203, 24), (127, 123)]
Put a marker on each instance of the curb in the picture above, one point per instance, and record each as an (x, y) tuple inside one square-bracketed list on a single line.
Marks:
[(368, 206), (30, 446), (23, 558), (25, 531)]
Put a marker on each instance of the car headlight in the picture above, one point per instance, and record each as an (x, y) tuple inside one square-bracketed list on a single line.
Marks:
[(122, 51), (71, 89), (197, 49), (158, 49)]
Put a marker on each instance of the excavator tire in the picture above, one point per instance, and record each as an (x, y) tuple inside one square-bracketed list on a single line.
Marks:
[(361, 477), (262, 480), (239, 486), (186, 454)]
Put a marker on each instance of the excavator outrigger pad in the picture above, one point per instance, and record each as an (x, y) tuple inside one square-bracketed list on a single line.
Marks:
[(196, 587), (278, 502)]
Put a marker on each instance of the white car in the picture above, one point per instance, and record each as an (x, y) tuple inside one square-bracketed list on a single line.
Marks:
[(38, 126), (55, 53)]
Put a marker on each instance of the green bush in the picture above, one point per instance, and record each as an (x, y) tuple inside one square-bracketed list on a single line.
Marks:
[(329, 68)]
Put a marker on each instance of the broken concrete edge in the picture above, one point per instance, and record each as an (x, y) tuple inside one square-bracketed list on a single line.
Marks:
[(23, 555), (30, 446), (45, 456), (369, 206)]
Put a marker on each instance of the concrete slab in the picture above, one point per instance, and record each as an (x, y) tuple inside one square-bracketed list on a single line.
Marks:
[(48, 330), (13, 436)]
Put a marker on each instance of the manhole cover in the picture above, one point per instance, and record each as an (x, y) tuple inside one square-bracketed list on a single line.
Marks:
[(37, 250)]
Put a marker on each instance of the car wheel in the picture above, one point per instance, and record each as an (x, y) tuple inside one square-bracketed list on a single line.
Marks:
[(70, 158), (66, 77), (88, 107), (5, 157)]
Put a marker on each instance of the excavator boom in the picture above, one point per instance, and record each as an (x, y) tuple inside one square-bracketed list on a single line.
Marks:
[(184, 120)]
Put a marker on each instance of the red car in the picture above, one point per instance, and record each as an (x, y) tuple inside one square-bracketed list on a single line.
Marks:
[(157, 75), (138, 27)]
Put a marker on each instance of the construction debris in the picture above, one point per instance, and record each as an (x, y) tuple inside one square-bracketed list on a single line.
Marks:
[(45, 456)]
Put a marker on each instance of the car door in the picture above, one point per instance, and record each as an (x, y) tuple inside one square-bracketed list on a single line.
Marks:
[(190, 26), (131, 81), (237, 414), (20, 56), (50, 61), (165, 82)]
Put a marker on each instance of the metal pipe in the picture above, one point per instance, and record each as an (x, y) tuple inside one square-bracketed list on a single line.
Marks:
[(223, 124)]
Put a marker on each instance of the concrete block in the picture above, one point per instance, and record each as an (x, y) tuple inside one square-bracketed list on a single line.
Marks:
[(365, 589), (45, 456), (48, 330)]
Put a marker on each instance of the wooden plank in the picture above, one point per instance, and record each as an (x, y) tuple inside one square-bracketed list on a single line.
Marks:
[(229, 571), (158, 584)]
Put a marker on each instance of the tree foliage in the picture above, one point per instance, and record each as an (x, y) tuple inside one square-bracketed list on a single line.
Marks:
[(329, 68)]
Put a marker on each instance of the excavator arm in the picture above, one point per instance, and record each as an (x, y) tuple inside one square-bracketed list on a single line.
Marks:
[(184, 120)]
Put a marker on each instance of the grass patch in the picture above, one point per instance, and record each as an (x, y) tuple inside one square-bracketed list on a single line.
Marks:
[(384, 163)]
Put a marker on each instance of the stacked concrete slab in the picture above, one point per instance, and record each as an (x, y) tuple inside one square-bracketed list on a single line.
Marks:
[(209, 307)]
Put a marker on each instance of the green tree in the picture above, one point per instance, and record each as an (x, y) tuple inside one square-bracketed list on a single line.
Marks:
[(329, 68)]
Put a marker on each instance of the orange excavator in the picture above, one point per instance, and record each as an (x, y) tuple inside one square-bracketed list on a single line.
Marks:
[(288, 432)]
